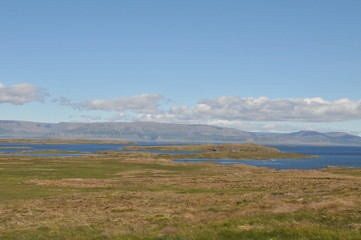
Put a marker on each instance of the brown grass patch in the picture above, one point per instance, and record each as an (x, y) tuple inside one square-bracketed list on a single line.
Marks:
[(75, 182), (335, 204), (169, 230), (67, 161), (139, 172), (286, 208), (14, 163)]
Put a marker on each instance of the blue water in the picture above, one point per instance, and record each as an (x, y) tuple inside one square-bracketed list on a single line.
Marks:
[(343, 156), (340, 156)]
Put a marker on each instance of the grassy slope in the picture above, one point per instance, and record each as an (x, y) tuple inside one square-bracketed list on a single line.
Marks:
[(133, 195)]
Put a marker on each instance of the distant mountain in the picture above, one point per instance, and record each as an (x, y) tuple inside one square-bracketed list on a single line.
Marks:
[(137, 131), (154, 131), (310, 138)]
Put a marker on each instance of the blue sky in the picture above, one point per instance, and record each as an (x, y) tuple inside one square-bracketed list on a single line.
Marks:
[(254, 65)]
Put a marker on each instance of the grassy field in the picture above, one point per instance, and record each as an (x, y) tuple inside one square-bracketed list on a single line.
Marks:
[(139, 195)]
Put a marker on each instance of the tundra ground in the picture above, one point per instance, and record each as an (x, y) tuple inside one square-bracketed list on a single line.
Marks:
[(136, 195)]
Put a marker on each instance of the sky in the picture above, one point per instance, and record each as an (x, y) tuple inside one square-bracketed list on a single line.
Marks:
[(255, 65)]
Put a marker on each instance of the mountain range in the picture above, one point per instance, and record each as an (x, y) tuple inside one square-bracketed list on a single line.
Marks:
[(155, 131)]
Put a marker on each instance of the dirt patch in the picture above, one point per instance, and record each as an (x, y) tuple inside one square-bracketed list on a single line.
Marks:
[(75, 182), (286, 208), (169, 230)]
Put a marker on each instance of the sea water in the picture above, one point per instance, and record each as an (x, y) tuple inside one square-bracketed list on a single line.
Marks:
[(342, 156)]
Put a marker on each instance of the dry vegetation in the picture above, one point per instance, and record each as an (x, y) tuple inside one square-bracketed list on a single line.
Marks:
[(138, 195)]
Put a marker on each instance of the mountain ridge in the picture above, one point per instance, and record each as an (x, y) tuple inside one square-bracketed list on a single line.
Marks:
[(157, 131)]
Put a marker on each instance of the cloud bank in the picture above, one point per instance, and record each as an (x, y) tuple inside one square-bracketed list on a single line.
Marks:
[(230, 109), (145, 103), (21, 93), (264, 109)]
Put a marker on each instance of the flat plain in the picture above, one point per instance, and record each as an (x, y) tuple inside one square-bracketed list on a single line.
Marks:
[(142, 195)]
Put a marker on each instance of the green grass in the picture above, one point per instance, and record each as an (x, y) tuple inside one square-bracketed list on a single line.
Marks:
[(13, 176), (345, 171)]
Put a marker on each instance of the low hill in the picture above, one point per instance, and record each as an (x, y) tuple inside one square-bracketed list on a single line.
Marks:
[(137, 131)]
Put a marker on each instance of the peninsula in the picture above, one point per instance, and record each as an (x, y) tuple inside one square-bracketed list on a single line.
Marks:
[(220, 151)]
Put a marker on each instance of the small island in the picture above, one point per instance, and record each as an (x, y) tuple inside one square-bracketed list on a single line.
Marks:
[(221, 151)]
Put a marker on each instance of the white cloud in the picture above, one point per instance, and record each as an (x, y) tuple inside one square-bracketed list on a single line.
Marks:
[(145, 103), (250, 114), (91, 117), (120, 116), (21, 93), (233, 108), (62, 101)]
